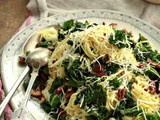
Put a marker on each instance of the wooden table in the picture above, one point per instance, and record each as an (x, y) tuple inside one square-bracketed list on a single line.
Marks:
[(12, 15)]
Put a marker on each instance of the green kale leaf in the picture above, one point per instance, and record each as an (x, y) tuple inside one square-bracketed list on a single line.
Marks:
[(120, 39), (93, 100), (131, 111), (115, 83), (154, 116), (111, 68), (55, 100), (56, 84)]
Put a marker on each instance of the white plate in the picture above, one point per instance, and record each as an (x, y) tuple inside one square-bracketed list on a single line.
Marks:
[(11, 70)]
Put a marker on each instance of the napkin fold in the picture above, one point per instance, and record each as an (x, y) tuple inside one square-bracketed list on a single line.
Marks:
[(40, 9)]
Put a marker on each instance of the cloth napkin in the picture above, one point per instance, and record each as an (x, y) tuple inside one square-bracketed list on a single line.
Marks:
[(40, 9)]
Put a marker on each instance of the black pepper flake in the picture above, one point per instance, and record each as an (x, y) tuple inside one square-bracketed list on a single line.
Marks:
[(95, 24), (43, 40)]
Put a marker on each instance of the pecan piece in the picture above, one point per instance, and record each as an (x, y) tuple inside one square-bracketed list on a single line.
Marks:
[(124, 30), (98, 68), (42, 100), (121, 93), (22, 60), (113, 25), (59, 90), (156, 65), (100, 74), (36, 93), (141, 66), (68, 95)]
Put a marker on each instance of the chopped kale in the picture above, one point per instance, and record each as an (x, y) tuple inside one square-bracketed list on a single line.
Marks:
[(55, 100), (56, 84), (70, 26), (27, 53), (45, 43), (93, 100), (144, 51), (131, 111), (154, 116), (79, 26), (60, 36), (136, 72), (70, 42), (115, 83), (98, 114), (46, 106), (49, 109), (94, 94), (120, 39), (74, 73), (129, 85), (67, 25), (53, 47), (124, 104), (111, 68), (152, 74), (79, 49)]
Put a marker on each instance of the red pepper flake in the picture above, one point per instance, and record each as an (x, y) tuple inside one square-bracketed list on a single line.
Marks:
[(103, 23), (121, 93), (104, 34)]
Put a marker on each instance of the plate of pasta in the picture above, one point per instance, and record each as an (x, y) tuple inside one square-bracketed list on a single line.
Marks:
[(104, 65)]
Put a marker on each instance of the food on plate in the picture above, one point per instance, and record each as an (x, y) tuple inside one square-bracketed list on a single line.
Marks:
[(98, 72)]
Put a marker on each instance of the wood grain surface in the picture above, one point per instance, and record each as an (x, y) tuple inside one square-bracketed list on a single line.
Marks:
[(12, 15)]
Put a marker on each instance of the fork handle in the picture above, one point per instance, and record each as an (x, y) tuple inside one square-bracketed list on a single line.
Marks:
[(34, 74), (13, 89)]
